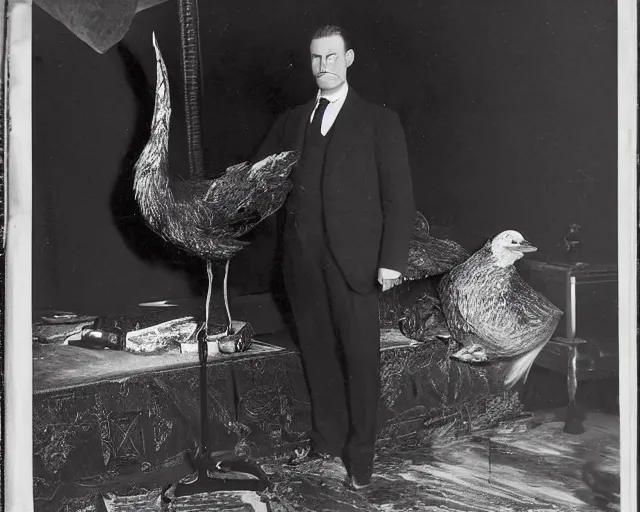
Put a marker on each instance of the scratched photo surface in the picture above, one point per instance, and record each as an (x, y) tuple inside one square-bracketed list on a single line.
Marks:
[(155, 227)]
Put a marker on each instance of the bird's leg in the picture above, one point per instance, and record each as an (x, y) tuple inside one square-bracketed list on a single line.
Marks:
[(226, 298), (206, 312)]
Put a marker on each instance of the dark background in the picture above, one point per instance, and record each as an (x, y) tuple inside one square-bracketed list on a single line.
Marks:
[(509, 108)]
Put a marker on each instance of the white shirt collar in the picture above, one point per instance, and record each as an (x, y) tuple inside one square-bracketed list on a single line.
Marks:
[(339, 95)]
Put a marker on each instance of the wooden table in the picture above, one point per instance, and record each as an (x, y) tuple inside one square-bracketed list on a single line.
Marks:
[(560, 283)]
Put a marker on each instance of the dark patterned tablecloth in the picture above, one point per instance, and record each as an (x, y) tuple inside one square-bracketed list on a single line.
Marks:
[(116, 431)]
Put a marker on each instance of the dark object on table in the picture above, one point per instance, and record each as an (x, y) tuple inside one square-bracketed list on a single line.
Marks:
[(414, 307), (136, 321), (55, 327), (573, 243), (425, 321), (239, 341), (428, 255), (493, 313), (393, 304), (91, 337)]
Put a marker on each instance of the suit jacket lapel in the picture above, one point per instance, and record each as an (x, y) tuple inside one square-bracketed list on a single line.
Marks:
[(305, 114), (349, 123)]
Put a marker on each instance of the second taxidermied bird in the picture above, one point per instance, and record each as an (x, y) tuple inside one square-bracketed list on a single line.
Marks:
[(493, 313), (207, 218)]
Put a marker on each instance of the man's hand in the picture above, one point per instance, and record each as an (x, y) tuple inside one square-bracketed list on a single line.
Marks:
[(388, 278)]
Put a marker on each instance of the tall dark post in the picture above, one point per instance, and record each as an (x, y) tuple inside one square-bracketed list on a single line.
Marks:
[(192, 83)]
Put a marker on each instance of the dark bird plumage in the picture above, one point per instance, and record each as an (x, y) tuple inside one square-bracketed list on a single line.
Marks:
[(413, 305), (493, 313), (206, 218), (430, 256)]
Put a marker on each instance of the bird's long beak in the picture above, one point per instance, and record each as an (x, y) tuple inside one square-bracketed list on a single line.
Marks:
[(525, 246)]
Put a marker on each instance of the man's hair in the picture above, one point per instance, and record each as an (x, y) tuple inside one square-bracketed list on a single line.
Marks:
[(333, 30)]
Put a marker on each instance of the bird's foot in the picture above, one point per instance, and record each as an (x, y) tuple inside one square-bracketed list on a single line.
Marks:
[(200, 330), (471, 354)]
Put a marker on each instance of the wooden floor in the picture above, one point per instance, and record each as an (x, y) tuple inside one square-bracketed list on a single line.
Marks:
[(527, 465)]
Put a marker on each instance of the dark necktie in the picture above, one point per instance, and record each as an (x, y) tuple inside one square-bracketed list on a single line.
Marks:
[(316, 122)]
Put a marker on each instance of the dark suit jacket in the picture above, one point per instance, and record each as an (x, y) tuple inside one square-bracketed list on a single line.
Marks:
[(366, 190)]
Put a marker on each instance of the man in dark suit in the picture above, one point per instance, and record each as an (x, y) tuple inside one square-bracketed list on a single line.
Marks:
[(346, 238)]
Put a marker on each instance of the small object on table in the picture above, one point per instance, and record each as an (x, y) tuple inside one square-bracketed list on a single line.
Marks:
[(54, 327), (239, 341), (162, 337), (112, 338)]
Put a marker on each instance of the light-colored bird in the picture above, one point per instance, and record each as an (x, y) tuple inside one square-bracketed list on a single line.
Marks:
[(493, 313)]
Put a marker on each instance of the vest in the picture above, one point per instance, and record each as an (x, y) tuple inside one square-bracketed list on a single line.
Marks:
[(305, 200)]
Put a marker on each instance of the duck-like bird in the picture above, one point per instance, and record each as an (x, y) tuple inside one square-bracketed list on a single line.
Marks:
[(493, 313), (207, 218)]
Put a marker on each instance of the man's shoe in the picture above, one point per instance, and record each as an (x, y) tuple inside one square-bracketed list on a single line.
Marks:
[(359, 484)]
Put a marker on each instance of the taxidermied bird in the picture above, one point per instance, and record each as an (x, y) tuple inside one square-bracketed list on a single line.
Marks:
[(430, 256), (413, 305), (493, 313), (207, 218)]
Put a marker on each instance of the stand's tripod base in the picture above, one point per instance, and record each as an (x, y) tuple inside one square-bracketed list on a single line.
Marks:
[(223, 481), (223, 471), (574, 420)]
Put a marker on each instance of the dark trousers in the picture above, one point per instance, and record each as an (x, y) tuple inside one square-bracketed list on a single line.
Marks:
[(339, 336)]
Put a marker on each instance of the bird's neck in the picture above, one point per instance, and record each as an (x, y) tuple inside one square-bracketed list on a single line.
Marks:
[(151, 185), (503, 257)]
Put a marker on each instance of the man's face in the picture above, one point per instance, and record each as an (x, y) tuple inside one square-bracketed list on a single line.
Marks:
[(329, 62)]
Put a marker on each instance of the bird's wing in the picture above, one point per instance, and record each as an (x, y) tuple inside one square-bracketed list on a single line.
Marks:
[(496, 306), (455, 301), (511, 317), (247, 194)]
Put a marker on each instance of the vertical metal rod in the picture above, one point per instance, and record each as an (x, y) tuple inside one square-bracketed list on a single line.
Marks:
[(208, 303), (572, 377), (226, 298), (204, 416), (571, 307), (573, 423)]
